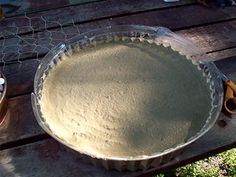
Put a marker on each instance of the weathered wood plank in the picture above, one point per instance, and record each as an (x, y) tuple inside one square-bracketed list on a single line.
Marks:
[(19, 122), (38, 157), (39, 43), (49, 158), (208, 38), (228, 67), (180, 17), (82, 13), (13, 8), (20, 77), (21, 82), (228, 53), (213, 37)]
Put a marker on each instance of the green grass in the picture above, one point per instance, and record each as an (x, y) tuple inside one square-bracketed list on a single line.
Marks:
[(229, 161), (221, 165), (197, 169)]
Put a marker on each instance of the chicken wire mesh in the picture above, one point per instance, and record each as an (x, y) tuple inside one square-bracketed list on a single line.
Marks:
[(31, 38)]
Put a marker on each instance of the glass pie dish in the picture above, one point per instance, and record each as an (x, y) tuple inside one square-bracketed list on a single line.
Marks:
[(127, 97)]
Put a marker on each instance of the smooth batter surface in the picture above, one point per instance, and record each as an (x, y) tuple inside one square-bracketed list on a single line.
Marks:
[(125, 99)]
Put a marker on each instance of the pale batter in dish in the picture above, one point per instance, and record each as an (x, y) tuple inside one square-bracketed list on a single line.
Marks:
[(125, 99)]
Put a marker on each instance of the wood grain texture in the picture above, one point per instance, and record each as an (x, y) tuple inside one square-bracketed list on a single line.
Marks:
[(209, 38), (213, 37), (212, 29), (228, 67), (82, 13), (179, 17), (32, 45), (13, 8), (20, 77), (38, 157), (227, 53), (19, 122), (48, 158)]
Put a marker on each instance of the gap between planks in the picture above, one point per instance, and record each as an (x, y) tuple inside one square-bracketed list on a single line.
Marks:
[(201, 23), (49, 7), (86, 13), (211, 38), (221, 36)]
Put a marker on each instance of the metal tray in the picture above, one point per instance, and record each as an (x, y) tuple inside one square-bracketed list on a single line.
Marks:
[(158, 35)]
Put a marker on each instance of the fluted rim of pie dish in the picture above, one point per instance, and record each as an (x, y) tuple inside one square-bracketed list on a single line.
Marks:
[(157, 35)]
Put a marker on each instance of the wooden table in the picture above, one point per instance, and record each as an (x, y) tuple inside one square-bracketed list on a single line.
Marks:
[(25, 149)]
